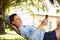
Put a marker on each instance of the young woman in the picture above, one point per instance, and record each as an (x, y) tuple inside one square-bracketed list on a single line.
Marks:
[(28, 31)]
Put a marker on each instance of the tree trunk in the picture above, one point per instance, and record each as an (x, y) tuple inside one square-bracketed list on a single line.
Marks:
[(2, 27)]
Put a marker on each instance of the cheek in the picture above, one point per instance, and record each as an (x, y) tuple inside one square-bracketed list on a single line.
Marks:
[(19, 22)]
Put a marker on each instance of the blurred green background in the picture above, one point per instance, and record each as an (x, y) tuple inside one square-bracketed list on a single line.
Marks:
[(11, 6)]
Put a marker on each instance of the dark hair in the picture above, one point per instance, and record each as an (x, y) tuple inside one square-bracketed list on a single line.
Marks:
[(11, 18)]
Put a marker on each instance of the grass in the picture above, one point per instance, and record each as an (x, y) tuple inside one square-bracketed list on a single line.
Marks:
[(11, 35), (12, 39)]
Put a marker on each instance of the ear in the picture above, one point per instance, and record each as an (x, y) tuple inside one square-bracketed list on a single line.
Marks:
[(13, 22)]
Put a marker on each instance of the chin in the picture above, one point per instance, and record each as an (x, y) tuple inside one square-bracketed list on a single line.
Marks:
[(20, 24)]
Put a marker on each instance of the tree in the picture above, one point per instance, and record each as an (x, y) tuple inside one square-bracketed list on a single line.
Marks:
[(1, 20), (8, 3), (3, 5), (52, 1)]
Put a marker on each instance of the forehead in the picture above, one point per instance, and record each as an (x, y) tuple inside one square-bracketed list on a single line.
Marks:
[(16, 16)]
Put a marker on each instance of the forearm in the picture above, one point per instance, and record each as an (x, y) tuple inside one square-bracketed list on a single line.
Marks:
[(40, 27), (43, 23)]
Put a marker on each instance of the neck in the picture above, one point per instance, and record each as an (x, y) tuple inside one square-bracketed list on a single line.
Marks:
[(16, 26)]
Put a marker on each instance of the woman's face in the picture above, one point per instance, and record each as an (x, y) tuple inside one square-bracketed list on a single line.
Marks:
[(17, 21)]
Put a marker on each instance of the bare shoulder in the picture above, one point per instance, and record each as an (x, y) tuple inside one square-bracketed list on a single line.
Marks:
[(58, 34)]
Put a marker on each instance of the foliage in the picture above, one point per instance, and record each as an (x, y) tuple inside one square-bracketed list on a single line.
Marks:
[(12, 39), (52, 1), (11, 35)]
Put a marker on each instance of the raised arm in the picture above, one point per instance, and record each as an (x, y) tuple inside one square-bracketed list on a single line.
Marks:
[(43, 23)]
